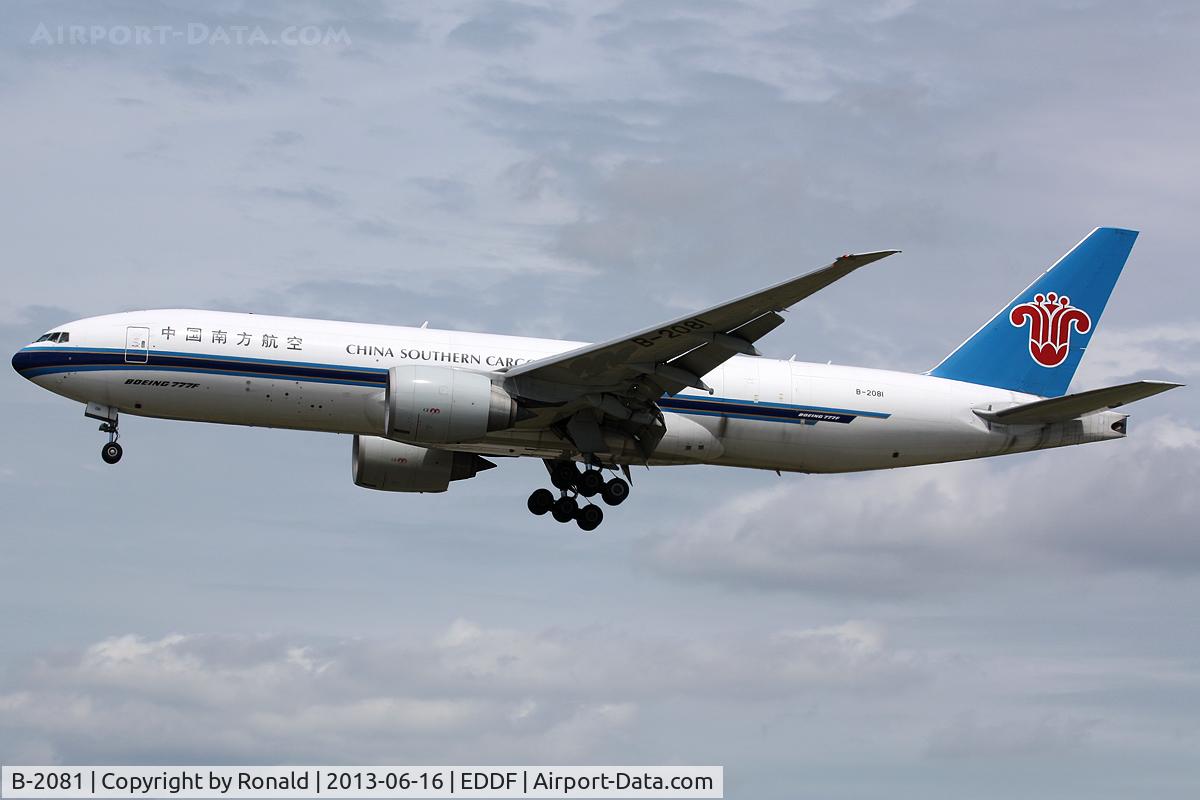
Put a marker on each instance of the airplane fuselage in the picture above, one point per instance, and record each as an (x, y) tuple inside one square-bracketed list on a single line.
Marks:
[(319, 375)]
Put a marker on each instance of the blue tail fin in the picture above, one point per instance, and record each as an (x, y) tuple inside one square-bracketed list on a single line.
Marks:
[(1035, 343)]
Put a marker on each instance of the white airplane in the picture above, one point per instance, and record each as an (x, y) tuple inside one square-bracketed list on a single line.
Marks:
[(425, 406)]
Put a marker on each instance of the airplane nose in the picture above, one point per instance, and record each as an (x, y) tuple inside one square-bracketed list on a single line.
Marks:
[(20, 361)]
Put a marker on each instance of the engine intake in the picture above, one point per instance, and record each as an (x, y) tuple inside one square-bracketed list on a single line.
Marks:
[(440, 405), (398, 467)]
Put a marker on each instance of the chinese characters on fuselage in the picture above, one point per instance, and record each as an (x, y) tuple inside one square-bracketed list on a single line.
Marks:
[(269, 341)]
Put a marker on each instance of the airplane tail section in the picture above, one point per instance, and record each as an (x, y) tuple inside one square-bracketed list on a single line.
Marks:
[(1035, 343)]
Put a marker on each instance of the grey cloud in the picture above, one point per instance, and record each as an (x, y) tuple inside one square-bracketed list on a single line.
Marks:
[(207, 84), (1044, 736), (654, 33), (316, 196), (822, 135), (31, 323), (504, 25), (582, 174), (284, 138), (402, 303), (376, 226), (158, 148), (278, 71), (903, 533), (448, 194)]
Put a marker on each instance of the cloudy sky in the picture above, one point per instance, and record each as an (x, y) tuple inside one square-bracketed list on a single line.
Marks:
[(1026, 626)]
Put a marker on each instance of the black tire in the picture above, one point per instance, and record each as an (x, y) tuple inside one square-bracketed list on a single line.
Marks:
[(564, 475), (589, 517), (590, 483), (565, 509), (540, 501), (615, 491), (111, 453)]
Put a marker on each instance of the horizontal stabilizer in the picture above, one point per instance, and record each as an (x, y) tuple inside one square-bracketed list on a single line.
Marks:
[(1071, 406)]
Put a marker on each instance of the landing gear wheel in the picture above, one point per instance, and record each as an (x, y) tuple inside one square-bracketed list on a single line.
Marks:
[(564, 475), (111, 453), (589, 518), (565, 509), (590, 483), (615, 491), (540, 501)]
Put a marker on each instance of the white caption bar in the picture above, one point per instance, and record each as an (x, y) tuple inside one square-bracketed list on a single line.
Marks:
[(361, 782)]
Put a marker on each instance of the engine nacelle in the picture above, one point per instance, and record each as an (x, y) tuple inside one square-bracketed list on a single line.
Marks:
[(440, 405), (398, 467)]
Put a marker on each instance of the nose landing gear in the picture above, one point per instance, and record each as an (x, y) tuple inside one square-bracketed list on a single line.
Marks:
[(111, 452), (573, 483)]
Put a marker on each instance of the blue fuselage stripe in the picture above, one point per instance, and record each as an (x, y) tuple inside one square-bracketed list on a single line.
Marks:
[(34, 362)]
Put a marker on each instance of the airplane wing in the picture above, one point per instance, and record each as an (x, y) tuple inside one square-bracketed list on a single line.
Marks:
[(677, 353), (601, 393), (1070, 406)]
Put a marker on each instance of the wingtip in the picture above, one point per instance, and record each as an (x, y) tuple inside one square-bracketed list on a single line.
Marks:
[(862, 259), (871, 254)]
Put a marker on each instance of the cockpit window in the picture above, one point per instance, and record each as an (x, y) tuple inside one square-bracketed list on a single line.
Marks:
[(58, 337), (64, 337), (45, 337)]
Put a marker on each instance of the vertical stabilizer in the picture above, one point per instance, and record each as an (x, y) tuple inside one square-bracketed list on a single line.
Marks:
[(1035, 343)]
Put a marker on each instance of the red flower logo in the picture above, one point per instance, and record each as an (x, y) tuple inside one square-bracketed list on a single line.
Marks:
[(1050, 317)]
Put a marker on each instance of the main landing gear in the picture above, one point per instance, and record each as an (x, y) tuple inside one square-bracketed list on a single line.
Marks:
[(573, 484)]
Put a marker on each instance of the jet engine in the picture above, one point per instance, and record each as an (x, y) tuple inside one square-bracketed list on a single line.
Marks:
[(441, 405), (398, 467)]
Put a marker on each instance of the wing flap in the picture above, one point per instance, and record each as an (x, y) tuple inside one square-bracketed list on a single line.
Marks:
[(1071, 406)]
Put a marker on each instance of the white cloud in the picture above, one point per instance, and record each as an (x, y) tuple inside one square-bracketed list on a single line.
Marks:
[(935, 528), (471, 693), (492, 692), (1169, 351)]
